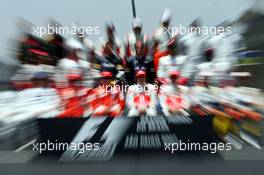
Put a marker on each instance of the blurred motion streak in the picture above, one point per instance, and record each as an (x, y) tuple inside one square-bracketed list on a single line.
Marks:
[(72, 77)]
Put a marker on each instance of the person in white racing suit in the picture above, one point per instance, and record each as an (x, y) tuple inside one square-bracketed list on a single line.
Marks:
[(19, 109), (111, 46), (173, 96), (83, 52), (141, 98), (163, 35), (65, 66), (161, 38), (224, 46), (169, 63), (41, 100), (193, 44), (135, 36)]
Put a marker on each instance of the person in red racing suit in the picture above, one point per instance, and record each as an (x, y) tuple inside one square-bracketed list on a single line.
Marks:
[(107, 99), (72, 97), (141, 97), (161, 38), (135, 36), (172, 97)]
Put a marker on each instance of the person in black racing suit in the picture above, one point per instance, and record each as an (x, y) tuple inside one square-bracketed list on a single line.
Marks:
[(109, 57), (140, 61)]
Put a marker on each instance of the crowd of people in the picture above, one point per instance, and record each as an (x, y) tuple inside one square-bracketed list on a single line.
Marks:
[(71, 77)]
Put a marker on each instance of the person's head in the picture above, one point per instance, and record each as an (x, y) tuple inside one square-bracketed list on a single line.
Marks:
[(110, 30), (40, 79), (201, 81), (208, 54), (73, 49), (106, 77), (183, 81), (195, 25), (240, 77), (79, 31), (137, 26), (72, 54), (174, 76), (108, 49), (74, 79), (166, 18), (141, 77), (35, 55)]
